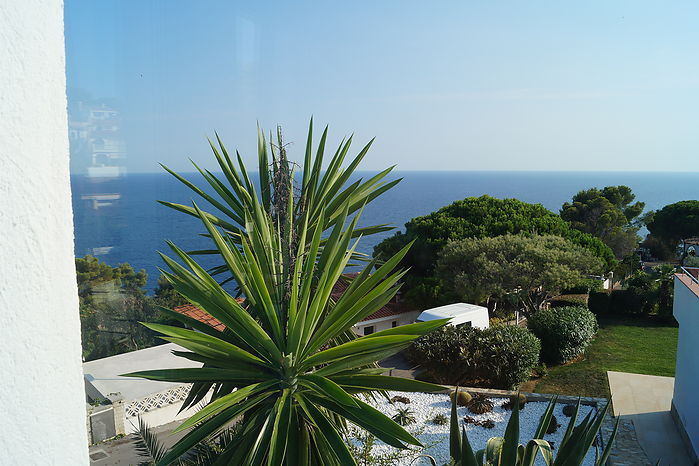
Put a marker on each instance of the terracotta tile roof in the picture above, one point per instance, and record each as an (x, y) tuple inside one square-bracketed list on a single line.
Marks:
[(202, 316), (393, 308)]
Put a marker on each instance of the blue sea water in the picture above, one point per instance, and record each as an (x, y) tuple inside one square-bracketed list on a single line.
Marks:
[(133, 228)]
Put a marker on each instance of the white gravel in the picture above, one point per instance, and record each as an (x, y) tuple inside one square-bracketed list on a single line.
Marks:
[(436, 437)]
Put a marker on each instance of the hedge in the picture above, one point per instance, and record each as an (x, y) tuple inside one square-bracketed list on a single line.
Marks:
[(620, 302), (598, 303), (565, 332), (500, 357), (568, 300)]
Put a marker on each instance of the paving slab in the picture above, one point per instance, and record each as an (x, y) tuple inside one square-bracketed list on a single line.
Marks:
[(645, 400)]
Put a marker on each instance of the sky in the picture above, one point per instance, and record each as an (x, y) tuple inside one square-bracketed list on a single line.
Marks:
[(476, 85)]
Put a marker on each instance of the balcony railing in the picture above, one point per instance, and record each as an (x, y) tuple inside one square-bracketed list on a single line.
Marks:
[(691, 272)]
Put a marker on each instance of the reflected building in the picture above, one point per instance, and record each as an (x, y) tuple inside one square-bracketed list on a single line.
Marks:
[(98, 156)]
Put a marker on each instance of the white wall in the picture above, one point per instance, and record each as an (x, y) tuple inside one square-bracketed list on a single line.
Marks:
[(42, 398), (161, 416), (686, 311), (385, 323)]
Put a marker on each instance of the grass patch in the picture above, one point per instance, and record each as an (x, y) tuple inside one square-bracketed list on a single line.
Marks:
[(638, 345)]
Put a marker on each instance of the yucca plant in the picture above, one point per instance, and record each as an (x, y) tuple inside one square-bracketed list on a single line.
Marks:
[(287, 365), (322, 195), (149, 447), (507, 451)]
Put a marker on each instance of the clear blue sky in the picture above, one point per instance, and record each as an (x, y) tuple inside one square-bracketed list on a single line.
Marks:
[(475, 85)]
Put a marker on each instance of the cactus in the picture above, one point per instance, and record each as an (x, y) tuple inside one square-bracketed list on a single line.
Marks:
[(568, 410), (440, 420), (480, 404), (514, 399), (462, 398)]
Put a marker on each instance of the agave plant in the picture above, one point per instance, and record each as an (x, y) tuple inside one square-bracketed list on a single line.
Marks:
[(507, 451), (287, 365), (404, 417)]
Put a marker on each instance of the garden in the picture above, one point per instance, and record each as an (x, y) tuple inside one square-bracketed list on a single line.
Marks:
[(287, 376), (427, 417), (637, 344), (504, 356)]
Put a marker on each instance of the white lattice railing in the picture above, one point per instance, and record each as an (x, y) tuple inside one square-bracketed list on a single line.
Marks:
[(157, 400)]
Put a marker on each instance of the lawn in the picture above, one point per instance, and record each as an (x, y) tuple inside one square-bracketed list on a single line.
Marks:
[(637, 345)]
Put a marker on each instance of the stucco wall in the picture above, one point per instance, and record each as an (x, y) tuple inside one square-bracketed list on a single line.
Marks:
[(686, 311), (42, 395)]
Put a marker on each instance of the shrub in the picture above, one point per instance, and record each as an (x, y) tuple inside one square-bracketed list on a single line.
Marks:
[(568, 300), (553, 425), (400, 399), (439, 352), (480, 404), (498, 357), (565, 332), (540, 371), (629, 301), (503, 356), (599, 303), (486, 423)]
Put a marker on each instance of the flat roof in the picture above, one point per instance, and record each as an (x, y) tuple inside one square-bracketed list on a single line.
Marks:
[(451, 310), (693, 285), (105, 374)]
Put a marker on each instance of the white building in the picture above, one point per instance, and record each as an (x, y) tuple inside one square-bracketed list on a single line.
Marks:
[(461, 314), (685, 408), (156, 402)]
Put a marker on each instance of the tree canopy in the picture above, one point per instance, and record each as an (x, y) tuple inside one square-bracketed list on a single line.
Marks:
[(526, 270), (481, 217), (674, 223), (607, 214), (112, 305), (91, 274)]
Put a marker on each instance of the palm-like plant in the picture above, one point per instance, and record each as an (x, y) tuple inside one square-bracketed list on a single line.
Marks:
[(322, 197), (287, 363)]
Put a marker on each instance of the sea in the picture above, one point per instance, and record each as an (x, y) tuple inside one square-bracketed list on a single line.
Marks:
[(119, 220)]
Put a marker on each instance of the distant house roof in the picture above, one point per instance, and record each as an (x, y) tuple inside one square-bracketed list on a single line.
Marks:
[(104, 376), (393, 308)]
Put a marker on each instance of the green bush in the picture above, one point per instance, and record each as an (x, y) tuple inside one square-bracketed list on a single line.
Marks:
[(633, 300), (498, 357), (568, 300), (598, 303), (564, 332), (439, 352), (629, 301)]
